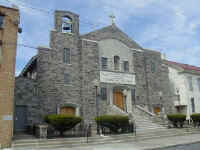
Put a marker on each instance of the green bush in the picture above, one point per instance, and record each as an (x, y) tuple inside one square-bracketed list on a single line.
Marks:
[(196, 119), (177, 119), (62, 123), (113, 122)]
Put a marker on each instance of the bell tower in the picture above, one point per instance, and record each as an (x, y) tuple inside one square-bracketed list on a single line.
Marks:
[(66, 22)]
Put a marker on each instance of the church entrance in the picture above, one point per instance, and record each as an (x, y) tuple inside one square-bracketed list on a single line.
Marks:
[(156, 110), (68, 110), (118, 99)]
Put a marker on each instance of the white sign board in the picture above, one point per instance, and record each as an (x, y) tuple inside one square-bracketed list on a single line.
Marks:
[(7, 117), (117, 77)]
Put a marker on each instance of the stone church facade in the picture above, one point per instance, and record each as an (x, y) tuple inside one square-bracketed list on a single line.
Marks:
[(102, 72)]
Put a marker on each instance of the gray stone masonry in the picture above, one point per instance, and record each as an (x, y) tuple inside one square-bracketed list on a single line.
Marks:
[(26, 94)]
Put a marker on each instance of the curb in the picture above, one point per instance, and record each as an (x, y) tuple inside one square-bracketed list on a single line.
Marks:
[(172, 146)]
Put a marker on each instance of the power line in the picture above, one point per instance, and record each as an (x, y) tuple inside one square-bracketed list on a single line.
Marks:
[(50, 12), (21, 45)]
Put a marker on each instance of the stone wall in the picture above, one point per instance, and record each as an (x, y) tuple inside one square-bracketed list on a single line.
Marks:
[(51, 70), (89, 72), (158, 80), (26, 94), (141, 87), (54, 92)]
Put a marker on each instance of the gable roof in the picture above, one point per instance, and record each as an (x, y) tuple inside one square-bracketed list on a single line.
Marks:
[(185, 67), (28, 65), (111, 32)]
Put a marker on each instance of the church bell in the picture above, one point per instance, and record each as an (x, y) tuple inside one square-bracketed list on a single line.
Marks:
[(67, 26)]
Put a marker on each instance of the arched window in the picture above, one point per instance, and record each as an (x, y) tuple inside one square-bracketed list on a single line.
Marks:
[(66, 25), (116, 62)]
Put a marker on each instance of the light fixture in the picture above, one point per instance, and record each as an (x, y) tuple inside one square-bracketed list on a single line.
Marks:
[(125, 92)]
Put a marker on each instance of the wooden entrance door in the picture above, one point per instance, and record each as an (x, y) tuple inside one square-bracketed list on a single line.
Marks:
[(118, 99), (68, 111), (156, 110)]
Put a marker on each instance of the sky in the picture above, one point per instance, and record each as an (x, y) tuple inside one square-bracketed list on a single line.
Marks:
[(169, 26)]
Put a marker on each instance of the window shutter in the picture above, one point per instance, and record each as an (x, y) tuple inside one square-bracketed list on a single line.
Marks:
[(104, 63)]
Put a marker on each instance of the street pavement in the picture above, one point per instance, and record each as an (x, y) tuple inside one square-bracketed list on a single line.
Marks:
[(169, 142), (144, 145)]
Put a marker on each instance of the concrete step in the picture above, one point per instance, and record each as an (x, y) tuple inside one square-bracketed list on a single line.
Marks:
[(68, 142)]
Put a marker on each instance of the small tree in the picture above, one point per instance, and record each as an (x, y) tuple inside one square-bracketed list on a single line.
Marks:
[(196, 119), (113, 122), (62, 123), (177, 119)]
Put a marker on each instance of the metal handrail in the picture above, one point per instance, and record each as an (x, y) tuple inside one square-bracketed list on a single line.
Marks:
[(134, 127), (88, 131)]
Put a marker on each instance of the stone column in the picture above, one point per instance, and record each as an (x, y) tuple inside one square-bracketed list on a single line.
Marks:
[(129, 101), (111, 95), (41, 131)]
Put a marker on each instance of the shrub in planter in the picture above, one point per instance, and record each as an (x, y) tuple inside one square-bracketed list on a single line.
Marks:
[(177, 119), (62, 123), (196, 119), (115, 123)]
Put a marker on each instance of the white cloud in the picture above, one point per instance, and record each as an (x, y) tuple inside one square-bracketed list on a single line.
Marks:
[(17, 72), (174, 27), (171, 26)]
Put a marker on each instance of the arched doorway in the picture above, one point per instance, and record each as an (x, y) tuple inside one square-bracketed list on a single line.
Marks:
[(68, 110)]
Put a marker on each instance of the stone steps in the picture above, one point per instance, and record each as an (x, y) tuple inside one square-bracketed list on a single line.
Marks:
[(69, 142), (144, 123)]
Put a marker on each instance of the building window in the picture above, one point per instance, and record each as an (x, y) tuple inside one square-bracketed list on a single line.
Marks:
[(116, 62), (1, 21), (67, 78), (104, 63), (133, 96), (193, 105), (67, 56), (35, 91), (190, 83), (198, 82), (153, 67), (103, 93), (126, 66)]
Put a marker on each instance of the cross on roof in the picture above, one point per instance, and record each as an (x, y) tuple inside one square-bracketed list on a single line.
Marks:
[(112, 17)]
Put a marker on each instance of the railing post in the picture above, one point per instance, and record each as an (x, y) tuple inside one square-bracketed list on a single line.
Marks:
[(134, 125), (88, 131)]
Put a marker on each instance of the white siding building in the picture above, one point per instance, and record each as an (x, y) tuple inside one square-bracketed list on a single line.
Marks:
[(185, 85)]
